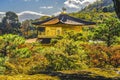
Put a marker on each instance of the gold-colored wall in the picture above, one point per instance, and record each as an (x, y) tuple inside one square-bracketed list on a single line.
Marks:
[(55, 30), (72, 28)]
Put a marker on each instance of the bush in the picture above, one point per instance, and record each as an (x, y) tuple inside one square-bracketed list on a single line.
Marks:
[(108, 31), (103, 57), (31, 65), (61, 61), (18, 57), (67, 54), (2, 67), (9, 43)]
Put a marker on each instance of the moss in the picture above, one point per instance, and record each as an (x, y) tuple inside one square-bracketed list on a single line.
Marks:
[(88, 74), (95, 72), (28, 77)]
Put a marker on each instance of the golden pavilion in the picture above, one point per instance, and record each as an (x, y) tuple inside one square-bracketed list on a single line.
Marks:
[(51, 27)]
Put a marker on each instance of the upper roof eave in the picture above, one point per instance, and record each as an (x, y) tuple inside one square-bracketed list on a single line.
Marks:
[(62, 18)]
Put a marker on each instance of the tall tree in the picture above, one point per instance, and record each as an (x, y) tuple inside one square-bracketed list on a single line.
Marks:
[(10, 23), (117, 7)]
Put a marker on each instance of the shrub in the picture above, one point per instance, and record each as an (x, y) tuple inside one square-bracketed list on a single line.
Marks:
[(2, 67), (9, 42), (61, 61), (31, 65), (18, 57), (108, 31), (115, 56), (101, 56)]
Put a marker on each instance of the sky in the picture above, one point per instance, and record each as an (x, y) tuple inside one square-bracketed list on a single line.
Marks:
[(49, 7)]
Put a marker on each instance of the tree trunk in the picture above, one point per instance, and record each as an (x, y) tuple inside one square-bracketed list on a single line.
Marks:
[(117, 7), (109, 41)]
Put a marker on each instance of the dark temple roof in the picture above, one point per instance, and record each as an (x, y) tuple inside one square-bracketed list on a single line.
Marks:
[(64, 19)]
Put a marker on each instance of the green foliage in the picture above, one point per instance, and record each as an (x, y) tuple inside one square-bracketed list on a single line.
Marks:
[(61, 61), (44, 17), (68, 46), (93, 15), (28, 30), (108, 31), (71, 52), (2, 61), (73, 36), (9, 43), (99, 5), (109, 8), (10, 23), (18, 57), (87, 54), (21, 53), (67, 54), (31, 65), (117, 41)]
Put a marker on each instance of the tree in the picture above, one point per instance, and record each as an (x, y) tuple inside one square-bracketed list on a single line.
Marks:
[(28, 30), (44, 17), (64, 9), (10, 23), (117, 7), (25, 27), (108, 31)]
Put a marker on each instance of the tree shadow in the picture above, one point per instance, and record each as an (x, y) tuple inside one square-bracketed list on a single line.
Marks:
[(77, 76)]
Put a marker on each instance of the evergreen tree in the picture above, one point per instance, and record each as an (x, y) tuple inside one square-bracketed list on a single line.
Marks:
[(10, 23)]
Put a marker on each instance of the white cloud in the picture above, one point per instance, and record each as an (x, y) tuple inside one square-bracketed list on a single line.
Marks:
[(30, 12), (73, 3), (2, 12), (77, 3), (46, 7), (26, 12), (27, 15), (91, 1)]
